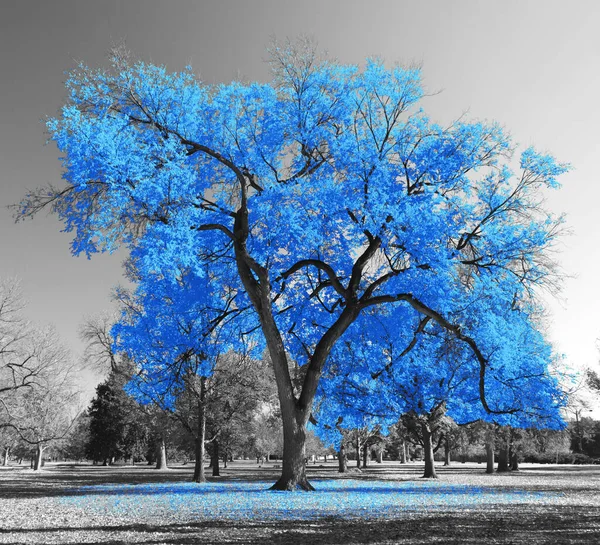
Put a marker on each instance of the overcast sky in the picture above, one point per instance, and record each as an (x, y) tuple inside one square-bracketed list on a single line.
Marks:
[(530, 65)]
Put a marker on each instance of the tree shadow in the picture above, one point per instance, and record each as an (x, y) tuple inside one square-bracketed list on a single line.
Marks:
[(497, 524)]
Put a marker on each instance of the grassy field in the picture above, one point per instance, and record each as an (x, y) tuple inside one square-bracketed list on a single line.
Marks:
[(386, 503)]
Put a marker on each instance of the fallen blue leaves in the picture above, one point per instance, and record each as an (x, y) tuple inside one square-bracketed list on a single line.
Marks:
[(252, 500)]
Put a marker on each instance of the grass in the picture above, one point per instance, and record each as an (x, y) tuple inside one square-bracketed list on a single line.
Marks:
[(387, 503)]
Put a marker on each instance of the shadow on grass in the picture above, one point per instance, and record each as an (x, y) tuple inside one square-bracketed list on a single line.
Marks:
[(498, 524), (66, 479)]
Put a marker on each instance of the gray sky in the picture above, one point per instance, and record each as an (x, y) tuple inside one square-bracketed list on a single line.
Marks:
[(530, 65)]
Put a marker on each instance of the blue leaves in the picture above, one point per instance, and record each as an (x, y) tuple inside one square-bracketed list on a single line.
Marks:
[(348, 499), (322, 162), (544, 168)]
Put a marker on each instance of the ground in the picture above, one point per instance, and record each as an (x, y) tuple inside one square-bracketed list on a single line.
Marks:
[(387, 503)]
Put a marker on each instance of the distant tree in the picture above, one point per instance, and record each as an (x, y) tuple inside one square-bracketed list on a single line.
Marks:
[(8, 440), (74, 444), (43, 412), (118, 427), (426, 431), (266, 434), (28, 356)]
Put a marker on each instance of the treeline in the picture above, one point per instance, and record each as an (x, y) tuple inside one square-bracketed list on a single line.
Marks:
[(238, 418), (219, 414)]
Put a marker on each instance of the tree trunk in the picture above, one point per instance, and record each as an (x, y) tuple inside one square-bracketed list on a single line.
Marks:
[(199, 475), (380, 456), (514, 461), (161, 453), (365, 453), (403, 452), (39, 454), (225, 458), (357, 448), (489, 451), (503, 458), (428, 452), (293, 467), (215, 459), (6, 453), (447, 460), (342, 460)]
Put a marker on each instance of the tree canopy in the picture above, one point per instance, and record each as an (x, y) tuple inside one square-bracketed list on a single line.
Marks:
[(320, 200)]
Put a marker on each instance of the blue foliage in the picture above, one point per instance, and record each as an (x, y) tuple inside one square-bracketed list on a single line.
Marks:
[(250, 501), (325, 163)]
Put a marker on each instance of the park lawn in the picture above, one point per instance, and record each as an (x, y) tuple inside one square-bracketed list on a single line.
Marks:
[(387, 503)]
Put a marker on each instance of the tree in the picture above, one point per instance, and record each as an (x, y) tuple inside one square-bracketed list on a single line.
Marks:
[(25, 353), (183, 359), (118, 426), (76, 441), (327, 192), (44, 406), (8, 439)]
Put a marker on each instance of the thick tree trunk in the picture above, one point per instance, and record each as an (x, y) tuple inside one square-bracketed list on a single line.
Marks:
[(39, 455), (403, 452), (293, 467), (489, 451), (342, 460), (199, 475), (6, 453), (514, 461), (357, 448), (447, 460), (215, 459), (225, 459), (428, 452), (503, 459), (380, 456), (161, 453), (365, 455), (295, 411)]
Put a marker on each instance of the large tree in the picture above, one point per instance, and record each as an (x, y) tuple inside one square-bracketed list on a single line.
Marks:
[(328, 193)]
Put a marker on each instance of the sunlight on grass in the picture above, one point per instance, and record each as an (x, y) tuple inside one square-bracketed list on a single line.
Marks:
[(251, 500)]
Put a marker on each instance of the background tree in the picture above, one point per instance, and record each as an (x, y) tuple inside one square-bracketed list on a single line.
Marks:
[(44, 409), (118, 427)]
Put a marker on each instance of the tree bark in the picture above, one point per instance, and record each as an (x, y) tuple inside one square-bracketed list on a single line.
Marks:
[(215, 459), (357, 448), (403, 452), (489, 451), (39, 454), (365, 455), (6, 453), (503, 458), (514, 461), (293, 471), (161, 453), (342, 460), (380, 456), (295, 411), (428, 452), (199, 475), (447, 460)]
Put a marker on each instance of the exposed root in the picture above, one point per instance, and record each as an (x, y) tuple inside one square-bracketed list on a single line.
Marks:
[(290, 485)]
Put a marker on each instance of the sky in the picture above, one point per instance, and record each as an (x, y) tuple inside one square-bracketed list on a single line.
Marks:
[(530, 65)]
